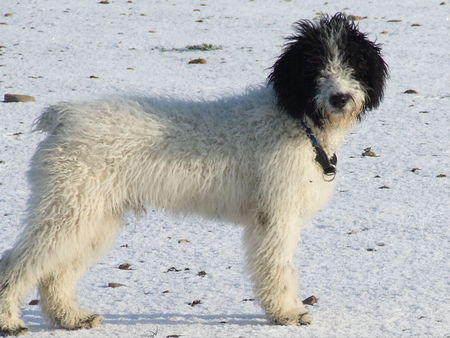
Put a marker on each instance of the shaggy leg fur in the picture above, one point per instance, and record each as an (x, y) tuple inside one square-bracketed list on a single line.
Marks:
[(19, 272), (270, 250), (69, 226), (10, 323), (58, 289), (58, 299), (57, 286)]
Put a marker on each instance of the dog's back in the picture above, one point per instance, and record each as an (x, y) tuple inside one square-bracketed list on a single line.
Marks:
[(176, 155)]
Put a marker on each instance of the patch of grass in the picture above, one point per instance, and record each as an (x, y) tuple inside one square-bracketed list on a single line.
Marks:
[(204, 47)]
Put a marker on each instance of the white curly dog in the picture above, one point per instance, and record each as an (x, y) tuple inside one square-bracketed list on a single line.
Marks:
[(263, 159)]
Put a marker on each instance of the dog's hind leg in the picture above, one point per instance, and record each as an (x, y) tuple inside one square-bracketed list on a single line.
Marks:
[(270, 248), (10, 292), (69, 223), (58, 288), (55, 258)]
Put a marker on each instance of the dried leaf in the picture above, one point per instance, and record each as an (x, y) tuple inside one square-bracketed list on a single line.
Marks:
[(115, 285), (310, 300), (195, 302), (173, 269), (202, 274), (368, 152), (356, 17)]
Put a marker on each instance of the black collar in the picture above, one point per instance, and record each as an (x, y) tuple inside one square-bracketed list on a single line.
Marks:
[(328, 164)]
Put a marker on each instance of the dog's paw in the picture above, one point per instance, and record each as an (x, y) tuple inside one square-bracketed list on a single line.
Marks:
[(86, 322), (12, 326), (91, 321), (302, 318), (13, 331), (305, 319)]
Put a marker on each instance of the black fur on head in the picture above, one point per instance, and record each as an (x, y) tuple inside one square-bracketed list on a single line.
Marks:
[(295, 73)]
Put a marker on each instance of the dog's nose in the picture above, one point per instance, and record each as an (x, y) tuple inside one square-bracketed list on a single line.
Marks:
[(339, 100)]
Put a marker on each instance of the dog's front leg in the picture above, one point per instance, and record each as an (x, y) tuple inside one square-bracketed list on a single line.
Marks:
[(270, 248)]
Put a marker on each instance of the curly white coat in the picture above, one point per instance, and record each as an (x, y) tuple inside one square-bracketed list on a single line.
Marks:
[(238, 159)]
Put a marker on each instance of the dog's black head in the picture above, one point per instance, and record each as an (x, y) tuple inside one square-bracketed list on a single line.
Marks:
[(328, 67)]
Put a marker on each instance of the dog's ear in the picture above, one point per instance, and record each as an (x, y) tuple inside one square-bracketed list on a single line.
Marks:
[(376, 75), (367, 62), (294, 73)]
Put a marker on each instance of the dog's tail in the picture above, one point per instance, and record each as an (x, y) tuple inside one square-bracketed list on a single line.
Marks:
[(51, 118)]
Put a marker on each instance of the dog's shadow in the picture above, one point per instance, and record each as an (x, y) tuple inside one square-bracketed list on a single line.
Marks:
[(185, 319), (36, 322)]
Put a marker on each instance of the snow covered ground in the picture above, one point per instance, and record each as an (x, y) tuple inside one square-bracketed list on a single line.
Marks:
[(377, 258)]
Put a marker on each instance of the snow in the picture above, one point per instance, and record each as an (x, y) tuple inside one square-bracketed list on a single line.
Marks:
[(400, 287)]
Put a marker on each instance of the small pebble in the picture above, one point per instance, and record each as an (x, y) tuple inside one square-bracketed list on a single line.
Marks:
[(410, 91), (18, 98), (124, 266), (198, 61)]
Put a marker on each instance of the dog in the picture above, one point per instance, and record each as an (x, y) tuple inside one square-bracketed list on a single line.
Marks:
[(264, 159)]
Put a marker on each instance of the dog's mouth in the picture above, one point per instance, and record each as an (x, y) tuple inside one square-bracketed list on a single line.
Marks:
[(342, 112)]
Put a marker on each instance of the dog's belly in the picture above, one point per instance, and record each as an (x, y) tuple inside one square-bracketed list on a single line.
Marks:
[(213, 189)]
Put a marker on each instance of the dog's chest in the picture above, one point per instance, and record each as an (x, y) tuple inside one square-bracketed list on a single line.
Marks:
[(313, 189)]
